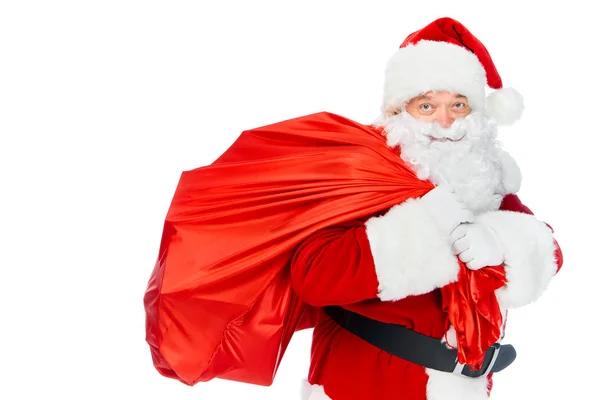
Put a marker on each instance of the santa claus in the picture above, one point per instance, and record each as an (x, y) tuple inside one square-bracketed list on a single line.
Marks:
[(377, 280)]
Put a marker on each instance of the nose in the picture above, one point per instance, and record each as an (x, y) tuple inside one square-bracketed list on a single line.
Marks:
[(444, 118)]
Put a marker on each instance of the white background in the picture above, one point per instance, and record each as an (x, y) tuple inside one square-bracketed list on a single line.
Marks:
[(104, 103)]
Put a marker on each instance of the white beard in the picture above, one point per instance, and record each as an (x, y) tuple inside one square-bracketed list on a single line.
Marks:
[(472, 166)]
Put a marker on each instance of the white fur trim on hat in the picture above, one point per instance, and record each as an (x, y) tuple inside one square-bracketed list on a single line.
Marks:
[(431, 65)]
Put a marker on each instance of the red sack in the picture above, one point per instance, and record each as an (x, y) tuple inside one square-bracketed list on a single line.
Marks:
[(219, 302)]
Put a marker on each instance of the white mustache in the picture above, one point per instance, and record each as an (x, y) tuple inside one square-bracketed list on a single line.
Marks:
[(405, 129), (455, 132)]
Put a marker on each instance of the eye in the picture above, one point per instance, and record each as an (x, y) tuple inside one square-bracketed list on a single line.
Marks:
[(426, 107), (460, 106)]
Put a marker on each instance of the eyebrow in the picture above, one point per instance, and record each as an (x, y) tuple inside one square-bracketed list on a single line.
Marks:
[(429, 97)]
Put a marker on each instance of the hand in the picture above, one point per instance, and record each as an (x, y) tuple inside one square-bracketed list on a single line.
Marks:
[(477, 245), (449, 212)]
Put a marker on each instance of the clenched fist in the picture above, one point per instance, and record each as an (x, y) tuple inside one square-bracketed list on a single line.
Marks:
[(446, 209), (477, 245)]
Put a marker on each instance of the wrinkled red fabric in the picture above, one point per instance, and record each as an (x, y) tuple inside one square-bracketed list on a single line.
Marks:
[(219, 302), (473, 310)]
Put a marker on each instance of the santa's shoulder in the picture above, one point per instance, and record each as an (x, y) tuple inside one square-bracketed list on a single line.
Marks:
[(511, 173)]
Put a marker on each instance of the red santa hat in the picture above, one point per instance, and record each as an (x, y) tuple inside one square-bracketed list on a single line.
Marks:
[(444, 55)]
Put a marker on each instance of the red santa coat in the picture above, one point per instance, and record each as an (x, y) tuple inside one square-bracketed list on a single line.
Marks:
[(389, 267)]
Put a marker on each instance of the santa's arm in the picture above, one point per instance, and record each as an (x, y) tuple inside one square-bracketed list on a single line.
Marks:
[(532, 255), (392, 256)]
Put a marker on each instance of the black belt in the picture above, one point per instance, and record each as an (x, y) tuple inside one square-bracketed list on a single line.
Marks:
[(416, 348)]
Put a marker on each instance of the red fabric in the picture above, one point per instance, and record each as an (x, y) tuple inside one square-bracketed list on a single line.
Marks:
[(334, 266), (219, 302), (476, 330), (451, 31), (321, 276), (349, 368)]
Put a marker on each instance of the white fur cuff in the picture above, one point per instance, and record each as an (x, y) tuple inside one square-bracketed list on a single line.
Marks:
[(412, 256), (530, 261)]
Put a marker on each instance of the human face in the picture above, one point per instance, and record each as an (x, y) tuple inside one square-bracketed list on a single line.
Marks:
[(442, 107), (466, 156)]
